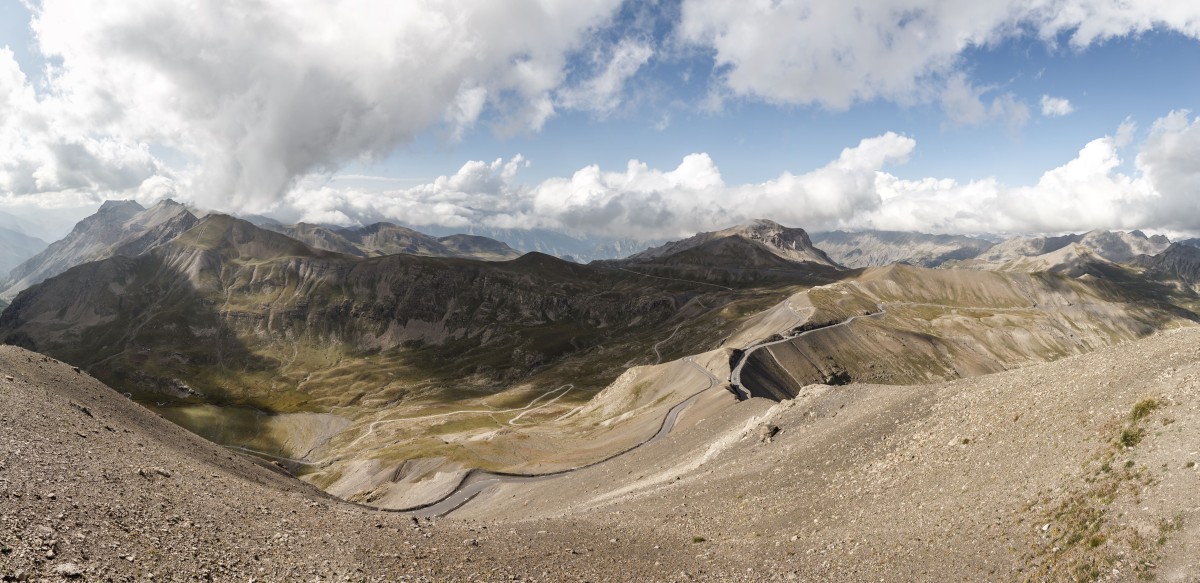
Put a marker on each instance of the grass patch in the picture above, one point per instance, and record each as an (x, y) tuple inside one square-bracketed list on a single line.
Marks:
[(1083, 544), (1131, 436), (1143, 409)]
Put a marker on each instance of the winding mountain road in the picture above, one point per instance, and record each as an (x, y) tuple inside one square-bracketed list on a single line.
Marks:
[(476, 481), (735, 375), (528, 408)]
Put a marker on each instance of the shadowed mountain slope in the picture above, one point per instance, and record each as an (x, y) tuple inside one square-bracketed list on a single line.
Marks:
[(1179, 263), (229, 310), (118, 228)]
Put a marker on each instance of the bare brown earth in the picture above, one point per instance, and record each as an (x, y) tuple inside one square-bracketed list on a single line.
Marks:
[(1080, 469), (92, 483), (1021, 475)]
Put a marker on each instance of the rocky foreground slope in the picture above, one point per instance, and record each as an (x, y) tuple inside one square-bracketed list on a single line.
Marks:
[(1081, 469), (94, 487)]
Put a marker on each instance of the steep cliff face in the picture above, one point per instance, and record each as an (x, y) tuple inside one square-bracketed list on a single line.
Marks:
[(228, 303)]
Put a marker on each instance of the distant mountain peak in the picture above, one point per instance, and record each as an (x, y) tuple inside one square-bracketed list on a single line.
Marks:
[(119, 227), (873, 248), (384, 238), (790, 244), (120, 205), (773, 234)]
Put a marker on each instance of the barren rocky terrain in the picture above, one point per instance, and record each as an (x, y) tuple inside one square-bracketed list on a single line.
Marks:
[(1084, 468), (626, 441)]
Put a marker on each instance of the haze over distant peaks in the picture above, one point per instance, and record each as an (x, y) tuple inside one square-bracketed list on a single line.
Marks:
[(16, 247), (1067, 252), (119, 227), (878, 248)]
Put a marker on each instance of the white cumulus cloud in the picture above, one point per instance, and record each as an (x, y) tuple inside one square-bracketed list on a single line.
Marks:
[(1056, 106), (639, 202), (836, 54), (1097, 189), (252, 96), (603, 92)]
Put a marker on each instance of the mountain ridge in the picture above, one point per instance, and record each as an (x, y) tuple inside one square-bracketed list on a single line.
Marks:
[(118, 227), (388, 238), (874, 248)]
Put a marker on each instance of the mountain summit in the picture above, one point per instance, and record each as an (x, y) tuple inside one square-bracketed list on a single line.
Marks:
[(119, 227), (754, 238)]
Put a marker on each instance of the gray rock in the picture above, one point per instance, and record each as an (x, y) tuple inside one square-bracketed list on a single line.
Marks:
[(767, 432), (68, 570)]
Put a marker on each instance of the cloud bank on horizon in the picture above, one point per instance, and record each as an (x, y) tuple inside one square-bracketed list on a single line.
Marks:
[(256, 106)]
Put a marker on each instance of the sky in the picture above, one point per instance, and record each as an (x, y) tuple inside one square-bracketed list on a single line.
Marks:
[(639, 119)]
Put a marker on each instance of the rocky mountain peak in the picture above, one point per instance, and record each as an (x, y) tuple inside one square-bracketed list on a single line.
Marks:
[(773, 234), (120, 206), (119, 227), (747, 244)]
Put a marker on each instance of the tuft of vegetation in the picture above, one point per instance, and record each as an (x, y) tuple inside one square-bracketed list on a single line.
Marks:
[(1167, 526), (1083, 543), (698, 539), (1131, 436), (1143, 409)]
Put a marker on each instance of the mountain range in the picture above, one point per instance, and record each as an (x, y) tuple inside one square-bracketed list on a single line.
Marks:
[(402, 371), (878, 248), (388, 239), (1078, 468)]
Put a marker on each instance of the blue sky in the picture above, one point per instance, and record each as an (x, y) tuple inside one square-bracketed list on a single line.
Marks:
[(899, 114)]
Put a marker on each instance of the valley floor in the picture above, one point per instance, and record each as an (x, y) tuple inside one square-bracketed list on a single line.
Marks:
[(1080, 469)]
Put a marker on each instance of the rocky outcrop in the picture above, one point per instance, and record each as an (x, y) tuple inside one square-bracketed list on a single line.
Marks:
[(755, 253)]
